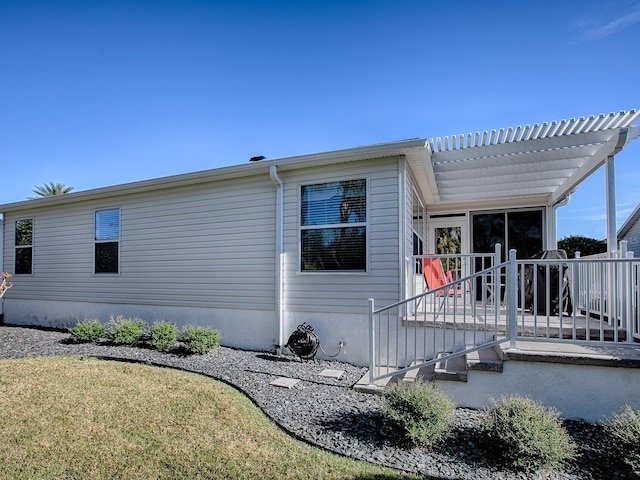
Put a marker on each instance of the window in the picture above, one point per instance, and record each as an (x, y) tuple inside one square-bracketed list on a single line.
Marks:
[(417, 230), (107, 236), (520, 230), (333, 226), (24, 247)]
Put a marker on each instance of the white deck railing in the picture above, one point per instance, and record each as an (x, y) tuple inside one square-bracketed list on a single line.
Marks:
[(451, 320), (582, 300)]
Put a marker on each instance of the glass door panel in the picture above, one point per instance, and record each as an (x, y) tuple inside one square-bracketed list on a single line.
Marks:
[(449, 237)]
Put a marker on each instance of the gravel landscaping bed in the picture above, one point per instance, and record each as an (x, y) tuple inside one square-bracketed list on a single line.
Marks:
[(327, 412)]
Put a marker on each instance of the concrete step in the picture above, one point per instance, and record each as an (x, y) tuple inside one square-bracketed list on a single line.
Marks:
[(451, 369), (485, 360), (378, 386), (423, 373)]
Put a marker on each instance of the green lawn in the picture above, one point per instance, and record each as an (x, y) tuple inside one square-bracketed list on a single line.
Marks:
[(83, 418)]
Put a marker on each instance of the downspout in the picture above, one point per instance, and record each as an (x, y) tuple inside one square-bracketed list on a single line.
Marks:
[(1, 262), (279, 278), (552, 224)]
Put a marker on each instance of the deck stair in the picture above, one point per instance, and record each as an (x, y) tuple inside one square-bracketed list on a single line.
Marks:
[(455, 369)]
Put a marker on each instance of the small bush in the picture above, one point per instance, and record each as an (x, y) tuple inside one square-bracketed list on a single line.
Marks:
[(199, 339), (125, 331), (87, 331), (424, 413), (524, 435), (163, 335), (623, 434)]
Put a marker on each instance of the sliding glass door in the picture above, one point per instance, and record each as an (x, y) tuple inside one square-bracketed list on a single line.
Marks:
[(520, 230)]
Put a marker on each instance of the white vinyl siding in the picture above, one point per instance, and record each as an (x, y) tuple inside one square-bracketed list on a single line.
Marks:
[(346, 292), (211, 245), (633, 239)]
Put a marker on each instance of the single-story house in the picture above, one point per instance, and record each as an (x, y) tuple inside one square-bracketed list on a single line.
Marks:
[(258, 248), (630, 232)]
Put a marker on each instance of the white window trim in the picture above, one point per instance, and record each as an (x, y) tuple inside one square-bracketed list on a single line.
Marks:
[(95, 242), (15, 247), (366, 225)]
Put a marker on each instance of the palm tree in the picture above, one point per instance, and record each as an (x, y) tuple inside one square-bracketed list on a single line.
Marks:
[(50, 189)]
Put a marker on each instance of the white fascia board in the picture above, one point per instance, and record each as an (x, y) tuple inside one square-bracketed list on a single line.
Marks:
[(421, 166), (481, 204), (223, 173)]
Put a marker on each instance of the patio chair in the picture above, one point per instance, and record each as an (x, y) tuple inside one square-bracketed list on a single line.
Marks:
[(435, 277), (433, 273)]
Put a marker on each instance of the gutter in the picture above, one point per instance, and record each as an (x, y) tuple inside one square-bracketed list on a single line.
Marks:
[(279, 278)]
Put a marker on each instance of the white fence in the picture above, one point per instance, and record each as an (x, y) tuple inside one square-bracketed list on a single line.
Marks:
[(592, 299), (448, 320), (486, 302)]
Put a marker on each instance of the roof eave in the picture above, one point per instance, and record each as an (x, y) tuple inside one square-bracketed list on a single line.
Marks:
[(382, 150)]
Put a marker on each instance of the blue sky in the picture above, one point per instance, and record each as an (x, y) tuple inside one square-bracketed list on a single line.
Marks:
[(99, 93)]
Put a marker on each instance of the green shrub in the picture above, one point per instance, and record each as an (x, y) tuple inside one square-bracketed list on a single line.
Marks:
[(524, 435), (163, 335), (424, 413), (199, 339), (623, 434), (125, 331), (87, 331)]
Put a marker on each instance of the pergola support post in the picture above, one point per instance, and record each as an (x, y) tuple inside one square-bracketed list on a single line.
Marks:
[(610, 192)]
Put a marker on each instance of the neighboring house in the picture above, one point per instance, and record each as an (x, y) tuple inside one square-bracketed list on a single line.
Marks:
[(630, 232), (259, 248)]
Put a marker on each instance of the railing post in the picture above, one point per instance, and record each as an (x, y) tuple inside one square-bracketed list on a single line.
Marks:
[(497, 288), (497, 257), (512, 299), (372, 342)]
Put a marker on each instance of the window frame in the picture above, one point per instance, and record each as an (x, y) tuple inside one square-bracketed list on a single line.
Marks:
[(97, 242), (365, 225), (22, 246), (507, 240)]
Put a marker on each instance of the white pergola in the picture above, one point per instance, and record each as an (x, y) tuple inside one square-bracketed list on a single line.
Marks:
[(540, 163)]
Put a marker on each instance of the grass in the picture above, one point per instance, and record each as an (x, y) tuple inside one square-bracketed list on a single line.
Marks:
[(84, 418)]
